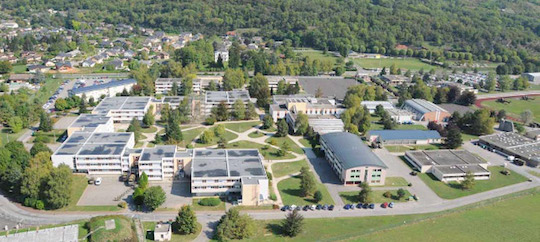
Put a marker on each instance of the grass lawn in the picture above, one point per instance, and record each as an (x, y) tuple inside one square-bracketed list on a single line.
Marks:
[(262, 207), (395, 181), (6, 135), (241, 127), (190, 135), (406, 63), (151, 129), (468, 137), (305, 142), (452, 190), (317, 55), (278, 141), (122, 232), (18, 69), (269, 154), (289, 189), (286, 168), (228, 136), (255, 134), (403, 148), (516, 106), (47, 90), (377, 196), (80, 182), (198, 207), (54, 135), (149, 233), (377, 126), (534, 173)]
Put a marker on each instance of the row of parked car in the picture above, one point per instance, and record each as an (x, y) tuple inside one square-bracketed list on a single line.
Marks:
[(50, 103), (308, 207), (367, 205)]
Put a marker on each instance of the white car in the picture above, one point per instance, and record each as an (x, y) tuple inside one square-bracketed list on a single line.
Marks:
[(97, 182)]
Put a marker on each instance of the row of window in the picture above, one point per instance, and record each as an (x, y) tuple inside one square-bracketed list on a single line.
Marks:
[(216, 187)]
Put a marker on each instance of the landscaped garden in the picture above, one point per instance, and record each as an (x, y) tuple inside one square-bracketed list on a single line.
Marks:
[(285, 168), (289, 189), (268, 152)]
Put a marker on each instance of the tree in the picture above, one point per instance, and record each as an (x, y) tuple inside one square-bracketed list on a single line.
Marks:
[(234, 55), (379, 110), (467, 98), (468, 182), (212, 86), (233, 226), (154, 197), (187, 85), (318, 196), (490, 83), (35, 175), (138, 196), (401, 193), (233, 79), (83, 108), (284, 149), (501, 115), (173, 133), (308, 186), (39, 147), (282, 128), (239, 110), (453, 138), (143, 181), (186, 221), (5, 67), (301, 124), (58, 188), (45, 123), (526, 117), (16, 124), (174, 89), (220, 112), (251, 113), (207, 137), (135, 127), (148, 118), (365, 194), (505, 83), (293, 223), (268, 122), (258, 88)]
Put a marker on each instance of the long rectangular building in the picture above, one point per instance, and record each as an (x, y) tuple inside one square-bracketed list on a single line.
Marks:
[(352, 160), (109, 89), (214, 98), (512, 144), (426, 110), (91, 123), (123, 109)]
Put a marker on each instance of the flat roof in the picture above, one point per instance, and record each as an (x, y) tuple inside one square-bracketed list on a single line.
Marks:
[(351, 151), (330, 86), (374, 104), (89, 121), (121, 103), (405, 134), (69, 233), (158, 152), (227, 163), (423, 106), (444, 157), (97, 144), (461, 169), (507, 139), (227, 96), (113, 83)]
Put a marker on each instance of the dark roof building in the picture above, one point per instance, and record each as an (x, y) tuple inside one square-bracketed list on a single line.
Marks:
[(404, 136)]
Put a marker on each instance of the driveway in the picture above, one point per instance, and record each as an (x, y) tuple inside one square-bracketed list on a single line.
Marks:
[(64, 122), (106, 193)]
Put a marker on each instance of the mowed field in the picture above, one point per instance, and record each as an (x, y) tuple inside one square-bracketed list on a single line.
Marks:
[(317, 54), (516, 106), (406, 63)]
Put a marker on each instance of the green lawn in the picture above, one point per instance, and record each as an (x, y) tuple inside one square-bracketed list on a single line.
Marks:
[(452, 190), (228, 136), (403, 148), (376, 196), (190, 135), (317, 55), (255, 134), (516, 106), (269, 154), (241, 127), (278, 141), (468, 137), (249, 208), (395, 181), (151, 129), (46, 90), (289, 189), (407, 63), (487, 221), (18, 69), (80, 182), (6, 135), (124, 230), (149, 233), (196, 206), (377, 126), (53, 135), (286, 168)]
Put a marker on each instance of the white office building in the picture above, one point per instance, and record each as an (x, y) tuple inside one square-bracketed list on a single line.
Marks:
[(123, 109), (109, 89)]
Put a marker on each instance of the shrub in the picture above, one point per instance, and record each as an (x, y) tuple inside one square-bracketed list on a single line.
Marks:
[(39, 205), (122, 204), (29, 202), (269, 175), (273, 142), (275, 206), (189, 146), (210, 121), (42, 139), (209, 202), (387, 194), (273, 197)]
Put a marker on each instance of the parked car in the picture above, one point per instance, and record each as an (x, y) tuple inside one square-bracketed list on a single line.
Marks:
[(98, 181), (372, 206), (347, 206), (292, 207), (298, 208), (365, 206), (384, 205), (331, 207), (305, 208), (325, 207), (312, 207), (91, 181), (359, 205), (285, 208), (318, 207), (391, 205)]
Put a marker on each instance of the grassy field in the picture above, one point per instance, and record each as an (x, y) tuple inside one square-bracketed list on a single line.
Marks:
[(286, 168), (6, 135), (269, 154), (278, 141), (124, 230), (198, 207), (468, 137), (46, 90), (516, 106), (452, 190), (255, 134), (190, 135), (534, 173), (241, 127), (407, 63), (403, 148), (228, 136), (377, 126), (149, 233), (317, 55), (54, 135), (151, 129), (289, 189), (478, 222), (18, 69), (80, 182), (376, 195), (395, 181)]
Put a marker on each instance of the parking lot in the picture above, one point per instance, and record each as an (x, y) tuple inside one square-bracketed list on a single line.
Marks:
[(105, 193), (178, 193)]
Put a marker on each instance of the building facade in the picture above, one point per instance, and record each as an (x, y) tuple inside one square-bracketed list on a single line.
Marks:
[(109, 89), (426, 111)]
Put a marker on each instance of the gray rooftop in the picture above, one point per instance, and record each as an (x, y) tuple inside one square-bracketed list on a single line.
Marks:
[(507, 139), (89, 121), (68, 233), (405, 134), (121, 103), (158, 152), (86, 143), (423, 106), (227, 163), (107, 85), (331, 86), (461, 169), (227, 96), (444, 157), (351, 151)]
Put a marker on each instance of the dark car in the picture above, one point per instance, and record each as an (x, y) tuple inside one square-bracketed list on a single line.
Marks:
[(298, 208), (305, 208), (359, 205), (324, 207), (318, 207), (384, 205), (285, 208), (331, 207), (391, 205), (347, 206), (366, 205), (372, 206)]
